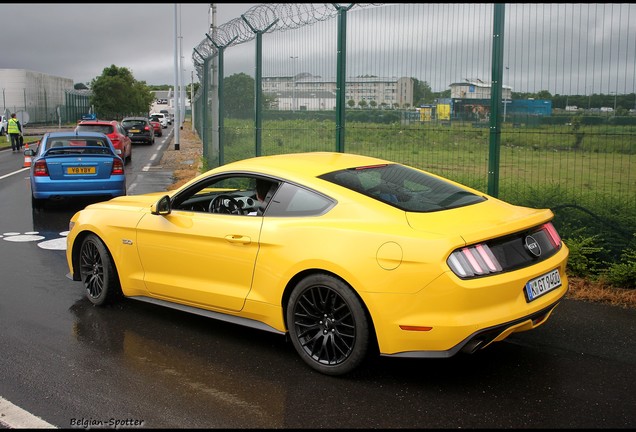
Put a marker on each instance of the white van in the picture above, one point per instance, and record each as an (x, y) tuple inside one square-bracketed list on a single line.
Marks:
[(168, 115), (161, 118)]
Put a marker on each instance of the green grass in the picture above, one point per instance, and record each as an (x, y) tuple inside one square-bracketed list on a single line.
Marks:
[(601, 165)]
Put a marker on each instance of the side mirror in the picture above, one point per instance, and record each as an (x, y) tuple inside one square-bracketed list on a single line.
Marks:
[(29, 152), (161, 207)]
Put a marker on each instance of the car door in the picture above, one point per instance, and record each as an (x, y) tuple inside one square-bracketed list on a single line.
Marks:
[(200, 258)]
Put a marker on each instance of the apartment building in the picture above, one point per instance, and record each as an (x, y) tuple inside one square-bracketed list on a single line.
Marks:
[(308, 92)]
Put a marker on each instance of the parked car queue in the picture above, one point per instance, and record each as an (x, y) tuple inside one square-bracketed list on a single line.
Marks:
[(87, 162)]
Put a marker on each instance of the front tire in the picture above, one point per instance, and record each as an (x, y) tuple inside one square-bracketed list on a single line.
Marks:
[(328, 325), (97, 271)]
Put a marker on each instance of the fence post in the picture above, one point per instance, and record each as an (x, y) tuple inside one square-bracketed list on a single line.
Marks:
[(258, 109), (341, 76), (220, 50), (495, 99)]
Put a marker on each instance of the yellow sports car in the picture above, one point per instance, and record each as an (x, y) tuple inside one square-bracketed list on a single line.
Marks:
[(350, 255)]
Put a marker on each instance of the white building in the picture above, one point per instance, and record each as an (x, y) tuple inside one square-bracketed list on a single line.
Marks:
[(314, 92), (477, 89), (35, 93)]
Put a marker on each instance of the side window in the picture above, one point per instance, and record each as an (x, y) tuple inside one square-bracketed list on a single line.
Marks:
[(234, 195), (292, 201)]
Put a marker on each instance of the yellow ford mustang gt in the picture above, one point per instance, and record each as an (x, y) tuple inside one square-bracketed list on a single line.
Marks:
[(345, 253)]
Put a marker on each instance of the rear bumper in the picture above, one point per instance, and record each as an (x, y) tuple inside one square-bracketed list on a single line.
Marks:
[(485, 337), (450, 315), (113, 187), (142, 139)]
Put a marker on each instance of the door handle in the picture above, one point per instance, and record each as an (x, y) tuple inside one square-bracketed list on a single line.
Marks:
[(236, 238)]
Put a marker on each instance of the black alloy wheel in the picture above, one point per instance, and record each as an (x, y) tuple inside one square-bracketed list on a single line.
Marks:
[(98, 272), (328, 325)]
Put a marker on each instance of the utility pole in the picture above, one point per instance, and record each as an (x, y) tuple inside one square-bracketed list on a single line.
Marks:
[(176, 82), (192, 99)]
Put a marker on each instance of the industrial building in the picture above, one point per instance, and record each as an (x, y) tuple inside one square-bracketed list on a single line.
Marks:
[(39, 95)]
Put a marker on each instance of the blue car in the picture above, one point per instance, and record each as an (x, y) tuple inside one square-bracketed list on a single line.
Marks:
[(75, 165)]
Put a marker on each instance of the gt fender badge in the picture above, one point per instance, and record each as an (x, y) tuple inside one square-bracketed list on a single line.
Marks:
[(532, 245), (127, 242)]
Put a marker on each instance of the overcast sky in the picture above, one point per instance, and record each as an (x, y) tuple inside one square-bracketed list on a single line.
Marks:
[(78, 41), (564, 48)]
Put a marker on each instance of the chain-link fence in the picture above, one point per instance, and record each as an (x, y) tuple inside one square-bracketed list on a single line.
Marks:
[(533, 103)]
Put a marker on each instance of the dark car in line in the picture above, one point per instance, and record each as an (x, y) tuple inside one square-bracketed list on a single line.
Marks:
[(139, 130)]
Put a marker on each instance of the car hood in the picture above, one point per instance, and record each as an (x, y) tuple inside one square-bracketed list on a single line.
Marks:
[(485, 220), (143, 201)]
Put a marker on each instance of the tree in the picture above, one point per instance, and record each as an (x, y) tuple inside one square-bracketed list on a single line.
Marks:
[(192, 89), (422, 92), (116, 94), (238, 95)]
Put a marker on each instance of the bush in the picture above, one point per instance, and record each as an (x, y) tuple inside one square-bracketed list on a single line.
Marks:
[(584, 258), (623, 274)]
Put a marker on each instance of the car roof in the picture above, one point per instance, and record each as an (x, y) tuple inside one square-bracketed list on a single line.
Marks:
[(68, 134), (302, 165), (97, 122)]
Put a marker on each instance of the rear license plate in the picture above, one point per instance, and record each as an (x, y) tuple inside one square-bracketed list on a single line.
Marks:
[(542, 285), (80, 170), (134, 130)]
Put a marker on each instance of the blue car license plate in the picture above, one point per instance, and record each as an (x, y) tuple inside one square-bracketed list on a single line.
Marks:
[(542, 284)]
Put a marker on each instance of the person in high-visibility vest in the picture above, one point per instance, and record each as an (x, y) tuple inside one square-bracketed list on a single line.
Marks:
[(14, 128)]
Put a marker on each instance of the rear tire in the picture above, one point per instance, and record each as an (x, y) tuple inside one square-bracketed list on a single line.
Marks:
[(37, 204), (328, 325), (98, 272)]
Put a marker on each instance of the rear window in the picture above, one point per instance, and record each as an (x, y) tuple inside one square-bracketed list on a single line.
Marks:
[(129, 123), (403, 187), (75, 144), (105, 129)]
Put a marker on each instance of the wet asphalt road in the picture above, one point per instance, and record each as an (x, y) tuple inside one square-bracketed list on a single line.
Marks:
[(75, 365)]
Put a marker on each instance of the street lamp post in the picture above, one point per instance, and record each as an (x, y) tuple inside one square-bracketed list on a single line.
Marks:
[(293, 107)]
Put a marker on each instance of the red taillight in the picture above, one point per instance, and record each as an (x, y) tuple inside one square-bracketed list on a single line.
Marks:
[(474, 260), (146, 128), (118, 167), (40, 169), (554, 236)]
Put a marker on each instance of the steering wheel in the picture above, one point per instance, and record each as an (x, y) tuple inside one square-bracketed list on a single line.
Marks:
[(225, 204)]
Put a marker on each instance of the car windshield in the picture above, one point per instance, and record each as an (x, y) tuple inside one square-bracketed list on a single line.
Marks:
[(403, 187), (105, 129)]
